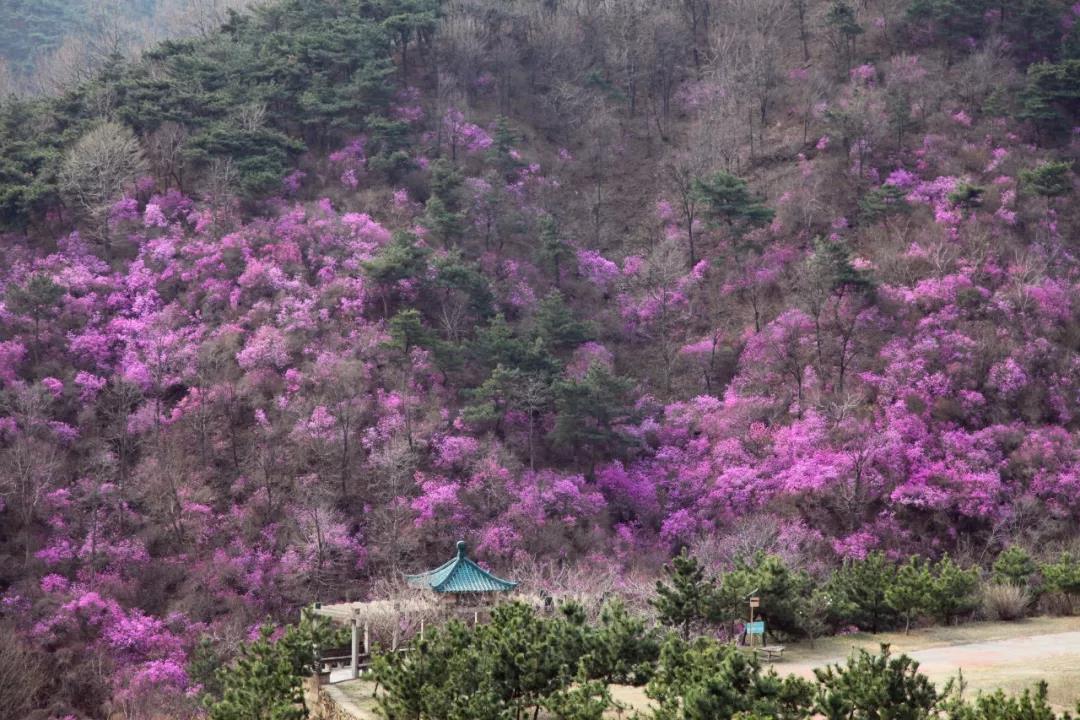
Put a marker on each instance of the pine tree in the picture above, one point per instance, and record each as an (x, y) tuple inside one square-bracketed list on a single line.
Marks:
[(705, 679), (554, 251), (591, 412), (265, 681), (688, 597), (1014, 566), (875, 686), (881, 203), (443, 214), (954, 590), (1062, 576), (583, 700), (38, 299), (622, 649), (859, 589), (844, 29), (556, 325), (812, 614), (1049, 180), (726, 200), (910, 590)]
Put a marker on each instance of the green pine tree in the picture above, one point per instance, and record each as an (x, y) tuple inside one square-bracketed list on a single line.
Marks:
[(871, 687), (859, 589), (556, 325), (727, 201), (954, 590), (1062, 576), (910, 591), (686, 598), (1050, 180), (622, 649), (1014, 566)]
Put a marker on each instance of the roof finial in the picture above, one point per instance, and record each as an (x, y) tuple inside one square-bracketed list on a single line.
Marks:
[(461, 548)]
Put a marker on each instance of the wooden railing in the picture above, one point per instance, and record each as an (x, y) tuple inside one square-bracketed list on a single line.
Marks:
[(340, 658)]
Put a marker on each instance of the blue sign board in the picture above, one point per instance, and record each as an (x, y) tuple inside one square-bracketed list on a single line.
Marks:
[(755, 628)]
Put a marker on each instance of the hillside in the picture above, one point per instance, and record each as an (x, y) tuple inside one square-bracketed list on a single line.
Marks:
[(47, 46), (290, 306)]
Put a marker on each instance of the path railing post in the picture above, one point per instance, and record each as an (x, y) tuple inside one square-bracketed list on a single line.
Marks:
[(354, 664)]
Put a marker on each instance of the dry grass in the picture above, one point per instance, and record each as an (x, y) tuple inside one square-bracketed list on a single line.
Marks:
[(1005, 602)]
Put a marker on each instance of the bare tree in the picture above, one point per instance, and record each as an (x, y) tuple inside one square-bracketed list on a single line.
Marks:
[(30, 464), (748, 47), (165, 150), (220, 184), (97, 171), (696, 14), (8, 84), (197, 17), (21, 676)]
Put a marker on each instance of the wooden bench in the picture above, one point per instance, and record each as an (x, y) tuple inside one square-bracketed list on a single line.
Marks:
[(770, 653)]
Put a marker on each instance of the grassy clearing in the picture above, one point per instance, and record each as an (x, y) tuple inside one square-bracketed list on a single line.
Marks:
[(1011, 656), (828, 649), (1017, 664)]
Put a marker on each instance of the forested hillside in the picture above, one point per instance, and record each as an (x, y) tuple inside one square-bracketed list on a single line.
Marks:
[(48, 44), (289, 306)]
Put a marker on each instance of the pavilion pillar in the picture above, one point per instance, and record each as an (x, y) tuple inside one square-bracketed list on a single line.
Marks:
[(367, 639), (354, 664), (397, 625)]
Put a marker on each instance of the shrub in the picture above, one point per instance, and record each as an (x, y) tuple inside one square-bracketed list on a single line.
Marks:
[(1003, 601)]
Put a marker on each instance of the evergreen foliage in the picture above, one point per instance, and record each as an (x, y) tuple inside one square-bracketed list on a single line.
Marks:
[(1014, 566), (860, 590), (688, 596), (870, 686)]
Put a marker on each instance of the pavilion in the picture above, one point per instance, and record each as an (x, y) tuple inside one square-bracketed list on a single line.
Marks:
[(461, 579), (457, 585)]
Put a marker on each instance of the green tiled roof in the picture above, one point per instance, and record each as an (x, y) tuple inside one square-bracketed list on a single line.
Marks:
[(460, 575)]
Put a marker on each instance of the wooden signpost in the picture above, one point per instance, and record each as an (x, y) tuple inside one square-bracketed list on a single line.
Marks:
[(751, 627)]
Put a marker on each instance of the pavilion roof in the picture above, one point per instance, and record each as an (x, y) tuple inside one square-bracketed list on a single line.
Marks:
[(460, 575)]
